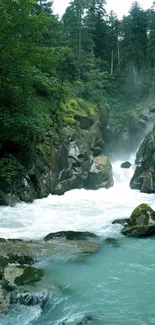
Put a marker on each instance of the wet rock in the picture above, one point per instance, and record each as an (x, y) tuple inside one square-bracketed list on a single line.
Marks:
[(86, 321), (16, 275), (112, 241), (97, 151), (100, 174), (3, 304), (71, 235), (120, 221), (141, 223), (144, 175), (28, 298), (148, 184), (126, 165), (88, 248)]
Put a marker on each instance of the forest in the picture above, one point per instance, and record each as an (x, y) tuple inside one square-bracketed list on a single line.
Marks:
[(51, 67)]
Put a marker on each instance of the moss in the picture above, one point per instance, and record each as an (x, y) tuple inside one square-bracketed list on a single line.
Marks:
[(45, 147), (30, 274), (138, 231), (143, 209), (77, 107)]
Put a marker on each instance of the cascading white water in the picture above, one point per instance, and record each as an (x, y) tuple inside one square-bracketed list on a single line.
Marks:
[(116, 285), (76, 210)]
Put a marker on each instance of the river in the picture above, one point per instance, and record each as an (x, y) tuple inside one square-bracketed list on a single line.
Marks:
[(116, 285)]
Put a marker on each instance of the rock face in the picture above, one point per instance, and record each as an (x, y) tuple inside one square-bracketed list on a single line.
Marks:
[(122, 138), (144, 176), (141, 222), (73, 159), (126, 165), (100, 174)]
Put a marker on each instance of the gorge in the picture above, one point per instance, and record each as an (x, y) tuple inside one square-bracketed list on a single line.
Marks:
[(77, 164)]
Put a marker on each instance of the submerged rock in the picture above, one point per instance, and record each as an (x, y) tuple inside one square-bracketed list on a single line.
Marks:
[(141, 223), (112, 241), (100, 174), (71, 235), (126, 165)]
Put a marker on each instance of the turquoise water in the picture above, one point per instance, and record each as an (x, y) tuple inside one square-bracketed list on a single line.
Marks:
[(116, 286)]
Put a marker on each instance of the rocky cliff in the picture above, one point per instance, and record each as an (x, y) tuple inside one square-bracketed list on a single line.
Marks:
[(144, 176), (72, 158)]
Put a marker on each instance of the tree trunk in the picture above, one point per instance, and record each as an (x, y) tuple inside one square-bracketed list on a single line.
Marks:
[(112, 62)]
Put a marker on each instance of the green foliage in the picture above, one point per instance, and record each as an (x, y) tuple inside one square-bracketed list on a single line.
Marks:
[(9, 168), (51, 71)]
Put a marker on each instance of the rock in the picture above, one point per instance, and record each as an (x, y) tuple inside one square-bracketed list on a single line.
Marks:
[(88, 248), (97, 151), (100, 174), (3, 304), (28, 298), (141, 223), (120, 221), (16, 275), (144, 175), (112, 241), (85, 121), (126, 165), (71, 235), (147, 185)]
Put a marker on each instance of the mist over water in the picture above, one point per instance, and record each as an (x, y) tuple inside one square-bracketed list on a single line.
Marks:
[(116, 285)]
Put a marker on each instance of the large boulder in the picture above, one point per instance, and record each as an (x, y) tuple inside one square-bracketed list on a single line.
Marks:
[(141, 223), (100, 174), (144, 175), (71, 235), (126, 165)]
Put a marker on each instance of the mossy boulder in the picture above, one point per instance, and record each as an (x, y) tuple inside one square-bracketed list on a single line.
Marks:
[(141, 222)]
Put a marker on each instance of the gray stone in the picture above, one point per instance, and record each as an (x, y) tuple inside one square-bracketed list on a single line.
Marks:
[(100, 174)]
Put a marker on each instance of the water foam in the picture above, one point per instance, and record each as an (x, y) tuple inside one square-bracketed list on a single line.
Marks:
[(75, 210)]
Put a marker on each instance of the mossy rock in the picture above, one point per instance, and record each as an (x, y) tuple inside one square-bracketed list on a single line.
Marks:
[(15, 275), (139, 231), (142, 214), (141, 222), (30, 274)]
